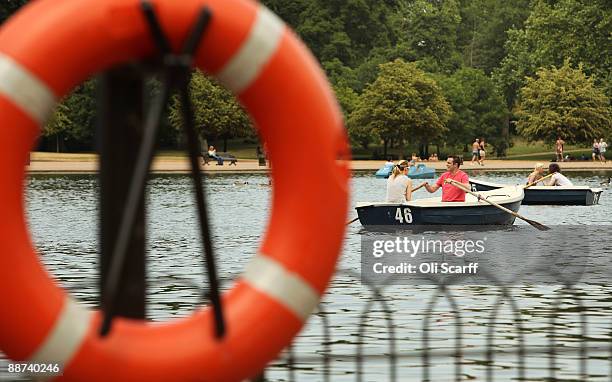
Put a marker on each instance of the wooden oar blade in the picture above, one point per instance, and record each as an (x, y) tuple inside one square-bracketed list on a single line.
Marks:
[(537, 225)]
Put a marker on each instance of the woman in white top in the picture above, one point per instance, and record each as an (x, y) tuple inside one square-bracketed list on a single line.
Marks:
[(557, 179), (399, 185)]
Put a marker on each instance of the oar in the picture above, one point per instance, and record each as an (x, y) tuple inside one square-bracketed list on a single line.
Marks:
[(535, 224), (354, 220), (413, 190), (539, 180)]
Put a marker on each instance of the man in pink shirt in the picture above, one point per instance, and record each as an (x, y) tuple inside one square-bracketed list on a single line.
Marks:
[(451, 193)]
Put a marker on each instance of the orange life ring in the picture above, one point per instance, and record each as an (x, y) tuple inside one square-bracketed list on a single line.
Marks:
[(47, 49)]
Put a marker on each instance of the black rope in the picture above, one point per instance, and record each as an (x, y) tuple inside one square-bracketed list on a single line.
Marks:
[(192, 142), (176, 73)]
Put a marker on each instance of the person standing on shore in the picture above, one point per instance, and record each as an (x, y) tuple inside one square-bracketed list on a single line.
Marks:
[(595, 150), (602, 150), (476, 151), (399, 185), (450, 192), (482, 151), (559, 149)]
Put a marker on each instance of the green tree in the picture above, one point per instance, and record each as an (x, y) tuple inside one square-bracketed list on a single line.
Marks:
[(478, 109), (484, 30), (403, 104), (554, 31), (563, 102), (217, 114), (289, 11), (347, 98), (428, 31), (346, 29), (74, 120)]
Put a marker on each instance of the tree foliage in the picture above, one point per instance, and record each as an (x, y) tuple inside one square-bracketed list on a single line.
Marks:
[(478, 109), (217, 113), (484, 30), (428, 30), (403, 104), (507, 41), (75, 116), (574, 29), (563, 102)]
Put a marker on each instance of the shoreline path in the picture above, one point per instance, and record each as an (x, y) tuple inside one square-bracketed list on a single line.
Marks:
[(88, 164)]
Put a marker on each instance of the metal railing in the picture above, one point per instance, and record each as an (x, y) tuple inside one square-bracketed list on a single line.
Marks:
[(578, 354)]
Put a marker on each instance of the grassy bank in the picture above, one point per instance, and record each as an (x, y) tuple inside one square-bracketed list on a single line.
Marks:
[(521, 150)]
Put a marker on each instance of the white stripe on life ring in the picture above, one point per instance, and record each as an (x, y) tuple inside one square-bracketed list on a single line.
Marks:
[(288, 288), (244, 67), (65, 338), (25, 90)]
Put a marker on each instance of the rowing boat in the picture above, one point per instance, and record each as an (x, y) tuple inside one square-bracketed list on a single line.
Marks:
[(558, 195), (432, 211)]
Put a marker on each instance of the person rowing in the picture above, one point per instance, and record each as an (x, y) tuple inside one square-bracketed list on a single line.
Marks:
[(451, 193), (537, 174), (399, 185), (557, 179)]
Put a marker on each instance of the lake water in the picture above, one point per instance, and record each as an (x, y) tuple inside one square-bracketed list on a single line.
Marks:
[(62, 213)]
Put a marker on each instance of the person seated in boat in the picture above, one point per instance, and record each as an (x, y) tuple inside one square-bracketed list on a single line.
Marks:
[(389, 162), (415, 158), (433, 157), (557, 179), (450, 192), (537, 173), (399, 185)]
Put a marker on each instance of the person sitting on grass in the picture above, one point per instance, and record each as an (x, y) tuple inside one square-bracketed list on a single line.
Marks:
[(537, 173), (557, 179), (399, 185), (450, 192)]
